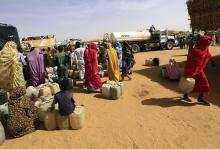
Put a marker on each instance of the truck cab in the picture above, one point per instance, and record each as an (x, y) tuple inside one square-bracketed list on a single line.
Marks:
[(8, 33), (163, 39)]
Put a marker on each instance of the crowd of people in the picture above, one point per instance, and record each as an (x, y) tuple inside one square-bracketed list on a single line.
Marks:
[(117, 58)]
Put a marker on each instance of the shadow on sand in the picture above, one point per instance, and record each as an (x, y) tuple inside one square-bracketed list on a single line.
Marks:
[(167, 102), (99, 96)]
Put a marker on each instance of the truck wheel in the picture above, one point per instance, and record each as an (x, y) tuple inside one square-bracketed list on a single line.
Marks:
[(135, 48), (169, 45)]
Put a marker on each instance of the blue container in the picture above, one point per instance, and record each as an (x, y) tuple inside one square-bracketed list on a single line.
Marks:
[(156, 61)]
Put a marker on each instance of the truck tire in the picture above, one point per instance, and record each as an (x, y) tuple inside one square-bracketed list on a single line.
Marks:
[(169, 45), (135, 48)]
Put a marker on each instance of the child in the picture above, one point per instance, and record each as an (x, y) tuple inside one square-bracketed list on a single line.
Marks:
[(64, 98), (124, 70)]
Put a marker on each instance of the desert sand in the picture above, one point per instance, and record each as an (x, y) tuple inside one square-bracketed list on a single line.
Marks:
[(150, 114)]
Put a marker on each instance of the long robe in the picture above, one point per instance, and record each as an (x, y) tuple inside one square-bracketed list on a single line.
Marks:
[(36, 67), (196, 62), (78, 57), (118, 48), (92, 77), (10, 67), (113, 67)]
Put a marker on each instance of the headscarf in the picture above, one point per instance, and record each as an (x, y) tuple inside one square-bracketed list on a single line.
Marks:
[(92, 76), (113, 67), (90, 53), (10, 67)]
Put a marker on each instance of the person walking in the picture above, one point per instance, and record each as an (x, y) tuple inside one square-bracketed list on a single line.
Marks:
[(194, 67), (60, 60), (92, 78), (78, 57), (113, 67)]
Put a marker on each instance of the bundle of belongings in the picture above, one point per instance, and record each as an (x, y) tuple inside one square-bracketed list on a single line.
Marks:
[(171, 70)]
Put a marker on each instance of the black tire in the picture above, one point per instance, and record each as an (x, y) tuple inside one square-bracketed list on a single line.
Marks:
[(169, 45), (135, 48)]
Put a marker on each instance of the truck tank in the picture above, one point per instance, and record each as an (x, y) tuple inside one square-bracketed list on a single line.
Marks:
[(130, 36)]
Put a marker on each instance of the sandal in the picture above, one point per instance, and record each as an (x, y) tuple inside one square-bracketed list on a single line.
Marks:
[(204, 102)]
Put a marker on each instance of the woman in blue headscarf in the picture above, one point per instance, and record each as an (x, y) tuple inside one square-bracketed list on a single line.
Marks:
[(118, 48)]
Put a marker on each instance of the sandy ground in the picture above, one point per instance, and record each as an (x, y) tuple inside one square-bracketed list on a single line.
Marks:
[(149, 115)]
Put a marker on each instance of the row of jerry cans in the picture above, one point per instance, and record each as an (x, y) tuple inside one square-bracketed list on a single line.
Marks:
[(42, 90), (53, 120), (112, 89), (152, 61), (74, 74)]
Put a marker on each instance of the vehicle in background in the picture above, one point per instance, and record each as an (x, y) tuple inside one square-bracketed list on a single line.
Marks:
[(40, 41), (142, 40), (8, 33)]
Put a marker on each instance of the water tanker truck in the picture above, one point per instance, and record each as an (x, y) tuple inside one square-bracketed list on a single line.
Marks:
[(141, 40)]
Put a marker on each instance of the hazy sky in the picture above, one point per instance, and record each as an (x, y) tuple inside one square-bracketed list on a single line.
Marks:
[(90, 19)]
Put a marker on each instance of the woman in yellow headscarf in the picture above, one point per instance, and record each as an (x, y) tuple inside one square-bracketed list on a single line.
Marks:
[(10, 67), (113, 67)]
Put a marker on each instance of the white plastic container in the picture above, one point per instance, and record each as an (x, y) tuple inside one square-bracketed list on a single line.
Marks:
[(111, 82), (54, 88), (77, 118), (106, 90), (70, 73), (121, 87), (29, 91), (101, 74), (76, 74), (70, 83), (149, 62), (37, 103), (2, 133), (45, 91), (62, 122), (45, 98), (186, 85), (43, 109), (115, 91), (50, 120), (73, 67), (4, 108)]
